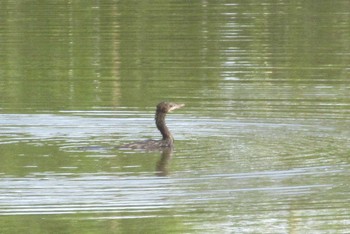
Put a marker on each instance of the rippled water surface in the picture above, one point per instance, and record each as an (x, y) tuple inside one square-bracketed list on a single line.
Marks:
[(262, 145)]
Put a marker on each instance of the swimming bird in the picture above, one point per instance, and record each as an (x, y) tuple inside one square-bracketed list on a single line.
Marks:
[(167, 140)]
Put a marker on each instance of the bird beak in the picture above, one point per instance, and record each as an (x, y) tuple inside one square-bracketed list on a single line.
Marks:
[(176, 106)]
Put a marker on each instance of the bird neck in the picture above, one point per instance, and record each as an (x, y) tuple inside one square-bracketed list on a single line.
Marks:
[(164, 130)]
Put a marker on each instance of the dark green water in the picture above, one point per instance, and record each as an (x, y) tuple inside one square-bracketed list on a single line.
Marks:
[(262, 145)]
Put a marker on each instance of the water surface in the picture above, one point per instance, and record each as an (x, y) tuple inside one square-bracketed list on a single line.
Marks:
[(261, 146)]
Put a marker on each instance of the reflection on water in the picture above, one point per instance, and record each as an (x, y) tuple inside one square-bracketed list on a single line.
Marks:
[(245, 171), (162, 167)]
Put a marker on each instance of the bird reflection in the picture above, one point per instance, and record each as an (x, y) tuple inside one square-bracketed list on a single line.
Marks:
[(162, 166)]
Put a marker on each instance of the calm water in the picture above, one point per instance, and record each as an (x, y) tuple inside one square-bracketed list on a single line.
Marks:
[(262, 145)]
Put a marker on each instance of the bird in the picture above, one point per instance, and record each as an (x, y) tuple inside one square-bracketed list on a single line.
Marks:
[(167, 141)]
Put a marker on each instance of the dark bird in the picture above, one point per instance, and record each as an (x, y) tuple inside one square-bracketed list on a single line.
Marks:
[(167, 140)]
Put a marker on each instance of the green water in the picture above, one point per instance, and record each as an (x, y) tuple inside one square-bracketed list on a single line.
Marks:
[(262, 145)]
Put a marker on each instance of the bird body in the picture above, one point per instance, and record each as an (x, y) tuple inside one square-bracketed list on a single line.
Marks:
[(167, 140)]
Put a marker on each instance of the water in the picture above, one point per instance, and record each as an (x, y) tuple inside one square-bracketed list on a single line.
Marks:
[(262, 145)]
